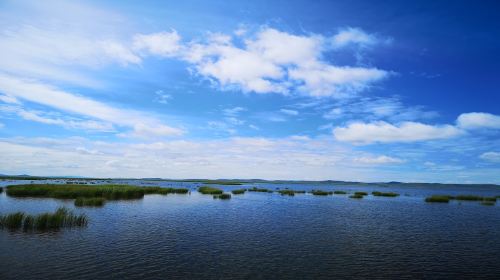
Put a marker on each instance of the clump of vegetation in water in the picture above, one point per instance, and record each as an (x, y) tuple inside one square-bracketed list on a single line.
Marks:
[(222, 196), (386, 194), (290, 192), (469, 197), (61, 218), (111, 192), (438, 198), (339, 192), (361, 193), (320, 192), (164, 191), (1, 190), (228, 183), (240, 191), (356, 196), (255, 189), (488, 203), (209, 190), (491, 199), (90, 201)]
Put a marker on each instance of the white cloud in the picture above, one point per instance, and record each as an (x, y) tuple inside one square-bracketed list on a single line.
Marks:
[(478, 120), (233, 111), (162, 97), (356, 36), (491, 156), (378, 160), (69, 102), (165, 44), (289, 112), (383, 132)]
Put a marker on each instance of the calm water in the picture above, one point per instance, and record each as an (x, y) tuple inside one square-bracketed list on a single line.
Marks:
[(263, 236)]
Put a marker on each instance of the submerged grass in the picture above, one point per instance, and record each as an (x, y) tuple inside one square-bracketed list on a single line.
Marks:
[(222, 196), (239, 191), (255, 189), (61, 218), (320, 192), (386, 194), (209, 190), (438, 198), (90, 201)]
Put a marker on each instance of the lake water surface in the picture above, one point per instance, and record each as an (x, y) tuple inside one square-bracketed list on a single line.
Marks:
[(262, 236)]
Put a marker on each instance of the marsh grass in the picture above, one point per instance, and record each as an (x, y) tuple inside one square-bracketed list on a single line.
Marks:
[(320, 192), (339, 192), (90, 201), (61, 218), (240, 191), (290, 192), (386, 194), (209, 190), (469, 197), (356, 196), (361, 193), (491, 199), (438, 198), (222, 196), (255, 189), (164, 191)]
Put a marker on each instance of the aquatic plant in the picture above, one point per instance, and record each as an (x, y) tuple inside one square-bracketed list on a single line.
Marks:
[(469, 197), (356, 196), (255, 189), (290, 192), (361, 193), (494, 199), (222, 196), (110, 192), (61, 218), (339, 192), (1, 190), (90, 201), (209, 190), (438, 199), (386, 194), (240, 191), (320, 192)]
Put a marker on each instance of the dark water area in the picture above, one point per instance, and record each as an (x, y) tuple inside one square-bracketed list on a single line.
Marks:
[(263, 236)]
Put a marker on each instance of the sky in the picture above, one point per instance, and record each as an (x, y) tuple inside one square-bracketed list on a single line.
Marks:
[(297, 90)]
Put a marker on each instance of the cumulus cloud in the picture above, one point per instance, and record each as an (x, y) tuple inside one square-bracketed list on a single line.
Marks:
[(165, 44), (477, 120), (53, 97), (348, 36), (491, 156), (383, 132)]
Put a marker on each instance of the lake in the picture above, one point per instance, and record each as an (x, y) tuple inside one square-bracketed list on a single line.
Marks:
[(262, 236)]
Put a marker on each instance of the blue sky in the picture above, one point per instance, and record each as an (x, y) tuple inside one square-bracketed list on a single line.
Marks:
[(343, 90)]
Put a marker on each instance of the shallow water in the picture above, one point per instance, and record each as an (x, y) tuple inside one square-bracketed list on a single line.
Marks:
[(263, 236)]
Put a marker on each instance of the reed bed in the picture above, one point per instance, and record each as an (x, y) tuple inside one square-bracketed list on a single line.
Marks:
[(255, 189), (356, 196), (339, 192), (469, 197), (487, 203), (438, 199), (222, 196), (239, 191), (290, 192), (361, 193), (209, 190), (320, 192), (90, 201), (386, 194), (61, 218)]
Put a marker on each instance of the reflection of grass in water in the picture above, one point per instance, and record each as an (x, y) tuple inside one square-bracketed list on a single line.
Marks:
[(222, 196), (91, 201), (61, 218), (386, 194), (209, 190)]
